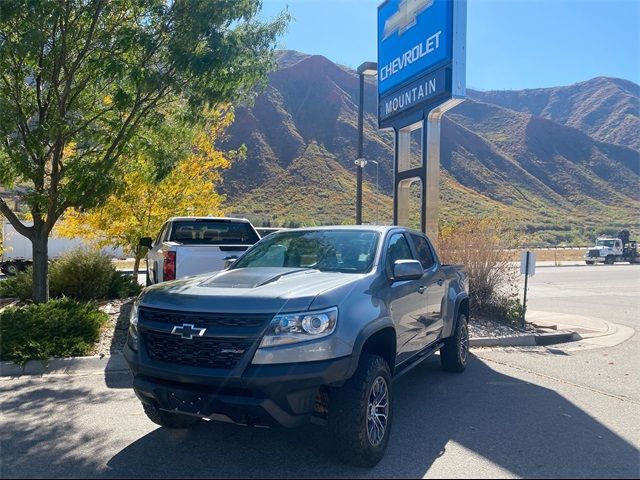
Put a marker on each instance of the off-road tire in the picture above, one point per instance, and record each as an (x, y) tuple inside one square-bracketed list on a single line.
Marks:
[(455, 352), (170, 419), (349, 413)]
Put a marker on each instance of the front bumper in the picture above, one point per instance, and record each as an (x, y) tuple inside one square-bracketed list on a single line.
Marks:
[(264, 395)]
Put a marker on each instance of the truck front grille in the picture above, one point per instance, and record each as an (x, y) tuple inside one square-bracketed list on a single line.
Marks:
[(197, 352), (594, 253), (206, 320)]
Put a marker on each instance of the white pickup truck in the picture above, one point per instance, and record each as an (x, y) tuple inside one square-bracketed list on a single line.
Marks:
[(189, 246)]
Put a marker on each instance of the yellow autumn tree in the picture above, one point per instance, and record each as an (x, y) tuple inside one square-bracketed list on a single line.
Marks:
[(144, 203)]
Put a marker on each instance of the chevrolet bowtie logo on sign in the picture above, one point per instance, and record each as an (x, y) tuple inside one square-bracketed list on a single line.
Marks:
[(406, 16), (187, 331)]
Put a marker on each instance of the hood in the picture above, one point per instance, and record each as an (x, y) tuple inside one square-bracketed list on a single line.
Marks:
[(246, 290)]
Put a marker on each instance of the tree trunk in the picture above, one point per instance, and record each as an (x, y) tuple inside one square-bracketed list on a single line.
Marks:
[(136, 265), (40, 242)]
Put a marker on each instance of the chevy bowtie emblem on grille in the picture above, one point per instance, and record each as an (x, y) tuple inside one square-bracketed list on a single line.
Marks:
[(187, 331), (406, 16)]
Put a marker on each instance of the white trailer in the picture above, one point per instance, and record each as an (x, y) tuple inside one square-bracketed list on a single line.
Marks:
[(17, 251)]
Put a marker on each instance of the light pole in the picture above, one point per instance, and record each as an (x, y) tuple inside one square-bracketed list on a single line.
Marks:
[(377, 189), (368, 69)]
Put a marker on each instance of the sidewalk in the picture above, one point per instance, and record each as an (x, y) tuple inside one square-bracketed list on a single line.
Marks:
[(592, 332)]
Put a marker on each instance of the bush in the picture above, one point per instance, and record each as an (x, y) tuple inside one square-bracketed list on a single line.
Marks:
[(18, 286), (81, 274), (59, 328), (481, 246), (123, 286)]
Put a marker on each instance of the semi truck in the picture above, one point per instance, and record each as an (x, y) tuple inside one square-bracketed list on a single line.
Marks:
[(609, 250), (16, 254)]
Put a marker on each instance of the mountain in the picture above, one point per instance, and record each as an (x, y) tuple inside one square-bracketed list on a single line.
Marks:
[(608, 109), (538, 160)]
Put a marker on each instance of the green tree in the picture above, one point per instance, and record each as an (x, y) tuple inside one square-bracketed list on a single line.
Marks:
[(80, 78)]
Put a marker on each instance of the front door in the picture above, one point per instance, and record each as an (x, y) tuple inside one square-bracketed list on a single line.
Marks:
[(407, 301)]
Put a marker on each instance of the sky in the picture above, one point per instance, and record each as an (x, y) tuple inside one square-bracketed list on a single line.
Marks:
[(511, 44)]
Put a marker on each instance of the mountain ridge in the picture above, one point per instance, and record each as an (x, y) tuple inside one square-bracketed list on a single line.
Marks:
[(507, 155)]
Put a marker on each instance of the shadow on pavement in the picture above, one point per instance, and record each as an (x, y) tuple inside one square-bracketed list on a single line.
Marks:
[(523, 428)]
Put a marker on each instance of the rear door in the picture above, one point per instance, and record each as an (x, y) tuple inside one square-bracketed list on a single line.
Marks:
[(433, 281)]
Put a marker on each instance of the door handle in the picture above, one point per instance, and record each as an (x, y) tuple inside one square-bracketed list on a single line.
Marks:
[(440, 282), (421, 289)]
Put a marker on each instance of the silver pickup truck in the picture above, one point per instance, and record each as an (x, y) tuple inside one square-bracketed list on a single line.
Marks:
[(307, 325)]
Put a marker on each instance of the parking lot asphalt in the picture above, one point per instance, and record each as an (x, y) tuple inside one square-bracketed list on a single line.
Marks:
[(516, 412)]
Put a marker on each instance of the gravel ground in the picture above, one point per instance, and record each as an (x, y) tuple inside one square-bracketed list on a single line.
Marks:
[(484, 327), (114, 334)]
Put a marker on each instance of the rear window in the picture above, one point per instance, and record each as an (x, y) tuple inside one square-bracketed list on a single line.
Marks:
[(212, 232)]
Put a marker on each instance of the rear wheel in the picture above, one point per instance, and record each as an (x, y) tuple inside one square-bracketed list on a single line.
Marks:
[(170, 419), (360, 413), (11, 268), (455, 353)]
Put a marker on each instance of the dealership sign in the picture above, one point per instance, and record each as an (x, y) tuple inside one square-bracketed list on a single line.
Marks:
[(417, 64)]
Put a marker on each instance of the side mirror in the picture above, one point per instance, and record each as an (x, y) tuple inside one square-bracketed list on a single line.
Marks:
[(407, 270), (228, 261), (146, 242)]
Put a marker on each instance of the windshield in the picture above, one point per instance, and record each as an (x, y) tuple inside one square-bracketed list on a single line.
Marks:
[(213, 232), (606, 243), (347, 251)]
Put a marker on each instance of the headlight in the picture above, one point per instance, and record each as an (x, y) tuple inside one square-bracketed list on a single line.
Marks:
[(300, 327), (132, 338)]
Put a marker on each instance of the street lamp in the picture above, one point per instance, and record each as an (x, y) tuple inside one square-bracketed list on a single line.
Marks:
[(368, 69)]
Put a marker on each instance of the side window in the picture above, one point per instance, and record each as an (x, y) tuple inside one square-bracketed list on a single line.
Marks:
[(397, 249), (424, 252), (160, 235)]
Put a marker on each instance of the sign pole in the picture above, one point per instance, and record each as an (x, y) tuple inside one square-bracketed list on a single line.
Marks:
[(526, 281)]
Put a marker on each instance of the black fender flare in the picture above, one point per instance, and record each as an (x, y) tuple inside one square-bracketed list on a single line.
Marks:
[(462, 296), (366, 333)]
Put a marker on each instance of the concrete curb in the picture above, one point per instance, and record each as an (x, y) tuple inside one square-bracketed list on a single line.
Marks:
[(531, 340), (66, 366)]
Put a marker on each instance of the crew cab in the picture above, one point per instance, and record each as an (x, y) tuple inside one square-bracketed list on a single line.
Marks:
[(189, 246), (308, 325)]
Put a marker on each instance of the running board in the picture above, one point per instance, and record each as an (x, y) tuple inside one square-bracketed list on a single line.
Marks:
[(417, 360)]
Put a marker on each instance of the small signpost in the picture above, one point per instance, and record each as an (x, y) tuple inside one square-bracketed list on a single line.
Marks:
[(528, 269)]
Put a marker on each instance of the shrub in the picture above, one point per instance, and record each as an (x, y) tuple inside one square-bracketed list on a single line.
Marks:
[(82, 274), (123, 286), (59, 328), (481, 246), (18, 286)]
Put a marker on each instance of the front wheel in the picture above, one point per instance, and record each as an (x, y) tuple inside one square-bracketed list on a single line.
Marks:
[(609, 260), (455, 353), (360, 413), (589, 262)]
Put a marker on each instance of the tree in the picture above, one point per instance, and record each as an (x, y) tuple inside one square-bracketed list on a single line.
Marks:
[(143, 203), (80, 78)]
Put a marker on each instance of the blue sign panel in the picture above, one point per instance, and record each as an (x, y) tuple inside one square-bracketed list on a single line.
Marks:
[(428, 89), (414, 37)]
